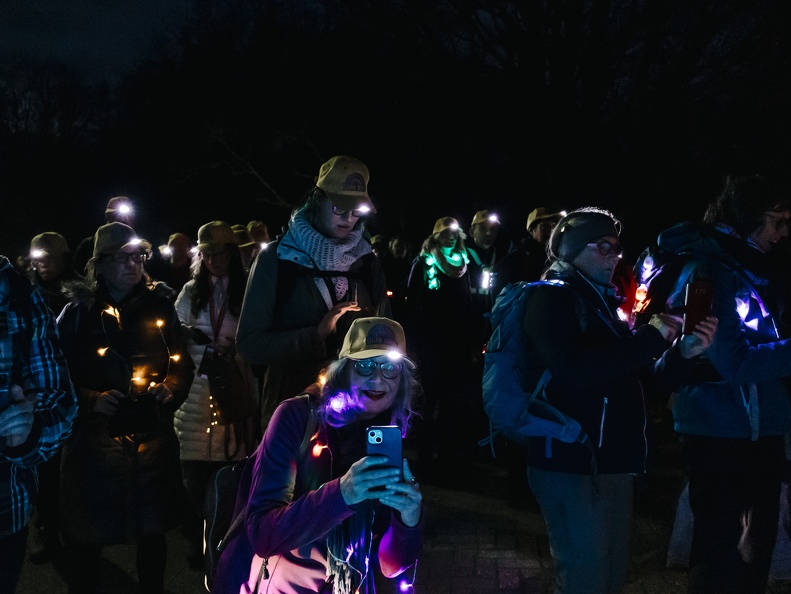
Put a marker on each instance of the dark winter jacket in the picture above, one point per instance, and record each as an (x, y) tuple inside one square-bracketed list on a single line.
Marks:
[(741, 394), (115, 489), (598, 367), (278, 325)]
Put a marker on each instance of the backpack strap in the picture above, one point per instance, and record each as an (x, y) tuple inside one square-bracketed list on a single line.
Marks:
[(239, 520)]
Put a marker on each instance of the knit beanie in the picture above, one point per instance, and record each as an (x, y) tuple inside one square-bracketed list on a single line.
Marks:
[(579, 228)]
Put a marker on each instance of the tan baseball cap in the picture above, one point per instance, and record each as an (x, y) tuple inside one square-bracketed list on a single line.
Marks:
[(213, 237), (243, 236), (50, 243), (541, 213), (111, 238), (345, 181), (374, 337), (482, 216)]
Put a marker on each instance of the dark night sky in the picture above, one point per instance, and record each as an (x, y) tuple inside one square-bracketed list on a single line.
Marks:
[(104, 39)]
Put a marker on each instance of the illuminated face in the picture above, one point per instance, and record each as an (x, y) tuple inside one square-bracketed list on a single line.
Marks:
[(774, 226), (485, 234), (335, 226), (448, 238), (121, 272), (375, 388), (598, 259), (49, 268), (217, 263), (542, 230)]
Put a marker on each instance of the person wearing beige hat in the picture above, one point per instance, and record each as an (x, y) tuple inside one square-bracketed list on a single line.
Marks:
[(208, 307), (248, 246), (334, 519), (527, 259), (441, 329), (128, 358), (119, 209), (306, 288), (48, 266)]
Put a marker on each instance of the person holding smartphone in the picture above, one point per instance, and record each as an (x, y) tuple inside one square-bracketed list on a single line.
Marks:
[(333, 519), (733, 413)]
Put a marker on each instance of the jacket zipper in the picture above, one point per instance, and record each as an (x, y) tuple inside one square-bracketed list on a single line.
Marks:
[(603, 416)]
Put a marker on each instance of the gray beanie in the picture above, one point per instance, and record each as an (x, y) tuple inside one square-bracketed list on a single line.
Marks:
[(579, 228)]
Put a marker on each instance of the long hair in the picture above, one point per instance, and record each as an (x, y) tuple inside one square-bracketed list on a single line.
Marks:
[(743, 200), (237, 281), (339, 406)]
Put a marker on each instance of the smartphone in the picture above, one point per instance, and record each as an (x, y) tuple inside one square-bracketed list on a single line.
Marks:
[(697, 304), (385, 440)]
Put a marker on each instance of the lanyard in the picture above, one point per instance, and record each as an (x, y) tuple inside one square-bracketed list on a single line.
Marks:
[(217, 318)]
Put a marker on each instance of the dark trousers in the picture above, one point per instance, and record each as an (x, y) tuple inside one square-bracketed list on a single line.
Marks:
[(85, 565), (734, 493), (196, 475), (46, 516), (12, 557)]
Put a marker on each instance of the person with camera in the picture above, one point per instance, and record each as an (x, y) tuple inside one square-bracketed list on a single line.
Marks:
[(208, 307), (131, 369), (331, 520), (734, 417)]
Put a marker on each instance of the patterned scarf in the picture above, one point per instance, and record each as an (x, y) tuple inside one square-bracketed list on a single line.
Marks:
[(329, 254), (446, 266)]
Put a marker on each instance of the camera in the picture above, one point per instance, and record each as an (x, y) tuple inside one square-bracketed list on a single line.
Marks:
[(135, 414)]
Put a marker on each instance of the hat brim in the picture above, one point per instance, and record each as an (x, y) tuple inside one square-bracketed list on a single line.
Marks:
[(212, 247), (371, 353), (350, 201)]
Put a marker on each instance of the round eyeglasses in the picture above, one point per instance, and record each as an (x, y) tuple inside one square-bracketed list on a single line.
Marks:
[(606, 247), (123, 257), (357, 212), (389, 369)]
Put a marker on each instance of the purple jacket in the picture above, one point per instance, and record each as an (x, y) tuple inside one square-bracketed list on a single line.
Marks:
[(293, 505)]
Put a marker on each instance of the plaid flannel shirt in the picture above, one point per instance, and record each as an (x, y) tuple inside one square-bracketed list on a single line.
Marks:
[(30, 356)]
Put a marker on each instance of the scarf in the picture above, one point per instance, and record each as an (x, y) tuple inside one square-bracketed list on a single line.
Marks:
[(329, 254), (447, 267)]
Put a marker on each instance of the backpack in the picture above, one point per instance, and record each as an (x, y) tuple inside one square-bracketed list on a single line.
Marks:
[(225, 506), (661, 277), (517, 410)]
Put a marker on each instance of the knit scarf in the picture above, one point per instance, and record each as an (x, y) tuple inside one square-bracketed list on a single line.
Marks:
[(329, 254), (446, 266)]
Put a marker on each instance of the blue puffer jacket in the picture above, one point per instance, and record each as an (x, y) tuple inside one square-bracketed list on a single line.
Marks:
[(742, 395)]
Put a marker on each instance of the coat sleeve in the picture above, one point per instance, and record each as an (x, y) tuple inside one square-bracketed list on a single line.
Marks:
[(278, 522), (45, 377), (257, 339)]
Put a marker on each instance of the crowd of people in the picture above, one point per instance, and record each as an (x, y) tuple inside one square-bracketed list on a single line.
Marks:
[(124, 429)]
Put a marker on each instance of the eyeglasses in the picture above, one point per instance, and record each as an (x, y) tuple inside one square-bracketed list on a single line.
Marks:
[(389, 369), (357, 212), (122, 257), (606, 248), (778, 221)]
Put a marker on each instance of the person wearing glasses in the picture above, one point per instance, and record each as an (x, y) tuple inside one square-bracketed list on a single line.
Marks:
[(331, 519), (598, 368), (127, 354), (733, 416), (306, 288)]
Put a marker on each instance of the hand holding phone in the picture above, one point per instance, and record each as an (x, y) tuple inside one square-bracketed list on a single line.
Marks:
[(697, 304)]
